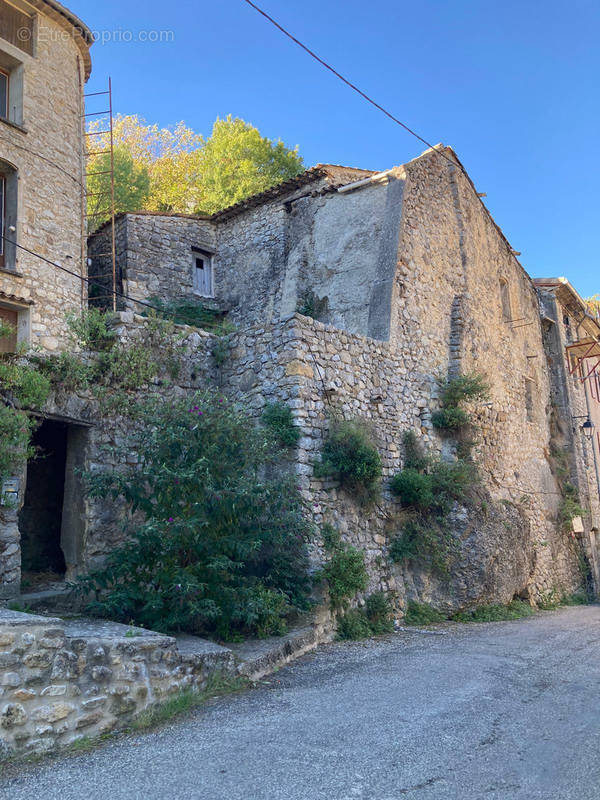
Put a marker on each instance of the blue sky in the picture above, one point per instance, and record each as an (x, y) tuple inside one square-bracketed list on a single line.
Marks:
[(512, 86)]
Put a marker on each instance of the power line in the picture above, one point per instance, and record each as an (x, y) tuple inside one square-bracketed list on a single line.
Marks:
[(92, 281), (347, 82)]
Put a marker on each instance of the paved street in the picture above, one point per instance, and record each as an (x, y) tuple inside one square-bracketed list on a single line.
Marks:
[(503, 710)]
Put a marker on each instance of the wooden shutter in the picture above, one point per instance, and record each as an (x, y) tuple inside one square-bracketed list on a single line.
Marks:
[(16, 27)]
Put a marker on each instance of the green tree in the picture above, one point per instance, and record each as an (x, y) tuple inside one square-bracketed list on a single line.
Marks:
[(593, 304), (237, 162), (132, 185), (175, 169)]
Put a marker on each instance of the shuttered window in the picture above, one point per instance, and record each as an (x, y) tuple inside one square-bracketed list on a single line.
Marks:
[(4, 83), (16, 27), (202, 277), (2, 217)]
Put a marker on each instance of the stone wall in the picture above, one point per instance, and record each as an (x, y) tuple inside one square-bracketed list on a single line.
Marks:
[(322, 372), (46, 151), (62, 680), (154, 255), (574, 400)]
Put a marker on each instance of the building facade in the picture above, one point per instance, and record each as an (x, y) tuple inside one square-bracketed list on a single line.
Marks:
[(44, 63), (402, 279)]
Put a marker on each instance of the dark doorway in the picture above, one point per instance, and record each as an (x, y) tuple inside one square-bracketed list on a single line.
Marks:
[(40, 519)]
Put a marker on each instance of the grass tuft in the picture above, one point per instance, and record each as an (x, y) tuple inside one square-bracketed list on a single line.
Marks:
[(186, 700), (517, 609), (422, 614)]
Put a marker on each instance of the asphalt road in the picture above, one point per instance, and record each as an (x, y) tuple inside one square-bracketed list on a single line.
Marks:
[(503, 710)]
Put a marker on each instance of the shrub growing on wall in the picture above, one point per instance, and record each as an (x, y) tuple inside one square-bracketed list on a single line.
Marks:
[(221, 548), (427, 488), (278, 419), (349, 455), (452, 417)]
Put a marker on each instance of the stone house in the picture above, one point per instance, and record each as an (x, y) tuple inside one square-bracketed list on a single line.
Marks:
[(401, 277), (352, 292), (571, 335), (44, 64)]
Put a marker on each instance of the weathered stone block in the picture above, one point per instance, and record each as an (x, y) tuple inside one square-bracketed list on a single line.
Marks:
[(54, 690), (13, 714), (53, 712)]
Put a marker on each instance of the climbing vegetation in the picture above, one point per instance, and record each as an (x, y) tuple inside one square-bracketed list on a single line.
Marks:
[(22, 389)]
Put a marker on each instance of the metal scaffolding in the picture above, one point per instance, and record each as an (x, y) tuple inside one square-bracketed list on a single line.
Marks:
[(103, 281)]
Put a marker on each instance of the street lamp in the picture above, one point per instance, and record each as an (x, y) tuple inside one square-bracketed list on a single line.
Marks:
[(588, 429)]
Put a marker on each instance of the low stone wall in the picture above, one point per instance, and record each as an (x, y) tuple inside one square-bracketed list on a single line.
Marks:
[(61, 680)]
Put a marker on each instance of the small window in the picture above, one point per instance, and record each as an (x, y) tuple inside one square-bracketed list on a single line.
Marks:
[(202, 278), (505, 300), (11, 88), (2, 217), (8, 216)]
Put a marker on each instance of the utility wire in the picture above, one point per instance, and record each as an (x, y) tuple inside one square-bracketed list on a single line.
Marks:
[(92, 281), (347, 82)]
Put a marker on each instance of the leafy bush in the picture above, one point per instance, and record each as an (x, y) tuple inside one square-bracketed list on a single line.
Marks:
[(92, 329), (221, 548), (453, 393), (278, 418), (374, 619), (67, 371), (354, 625), (429, 487), (349, 455), (496, 613), (450, 419), (422, 614), (21, 387), (188, 312), (414, 454), (451, 480), (424, 540), (28, 387), (413, 488), (570, 506), (471, 386), (430, 484), (345, 573), (379, 613), (15, 434)]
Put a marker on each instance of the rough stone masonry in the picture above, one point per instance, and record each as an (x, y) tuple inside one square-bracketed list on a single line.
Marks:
[(411, 281)]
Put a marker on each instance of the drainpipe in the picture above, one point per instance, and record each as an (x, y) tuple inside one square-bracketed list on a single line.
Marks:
[(379, 176)]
